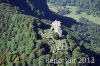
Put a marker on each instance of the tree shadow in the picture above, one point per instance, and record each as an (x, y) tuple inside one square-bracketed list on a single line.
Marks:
[(65, 21), (39, 8), (91, 54)]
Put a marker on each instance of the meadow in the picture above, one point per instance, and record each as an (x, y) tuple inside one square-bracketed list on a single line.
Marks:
[(73, 9)]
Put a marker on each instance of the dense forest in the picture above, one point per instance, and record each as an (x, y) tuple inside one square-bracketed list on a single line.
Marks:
[(89, 6), (26, 38)]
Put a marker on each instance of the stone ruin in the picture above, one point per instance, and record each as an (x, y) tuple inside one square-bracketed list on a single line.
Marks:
[(56, 26)]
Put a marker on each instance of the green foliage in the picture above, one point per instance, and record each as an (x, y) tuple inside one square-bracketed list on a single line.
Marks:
[(77, 52), (18, 64), (71, 41), (55, 36), (21, 45), (2, 58), (89, 6), (42, 61), (39, 44), (18, 38), (10, 64)]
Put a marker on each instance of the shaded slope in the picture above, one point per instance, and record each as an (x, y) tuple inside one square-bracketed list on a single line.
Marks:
[(39, 8)]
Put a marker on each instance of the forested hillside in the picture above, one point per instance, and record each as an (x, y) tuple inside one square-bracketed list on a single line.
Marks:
[(27, 39), (89, 6), (29, 7)]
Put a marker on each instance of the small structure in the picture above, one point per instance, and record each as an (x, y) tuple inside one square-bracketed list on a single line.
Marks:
[(56, 26), (63, 45)]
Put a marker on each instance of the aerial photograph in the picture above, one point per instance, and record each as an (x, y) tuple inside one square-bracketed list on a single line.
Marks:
[(49, 32)]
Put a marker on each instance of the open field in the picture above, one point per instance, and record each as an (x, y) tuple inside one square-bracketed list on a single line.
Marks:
[(83, 14), (74, 15), (54, 9)]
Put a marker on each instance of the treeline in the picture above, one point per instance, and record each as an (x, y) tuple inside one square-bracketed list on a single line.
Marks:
[(89, 6)]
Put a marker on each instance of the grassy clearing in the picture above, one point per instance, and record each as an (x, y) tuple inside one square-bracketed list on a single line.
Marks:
[(83, 14), (74, 15), (53, 8)]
